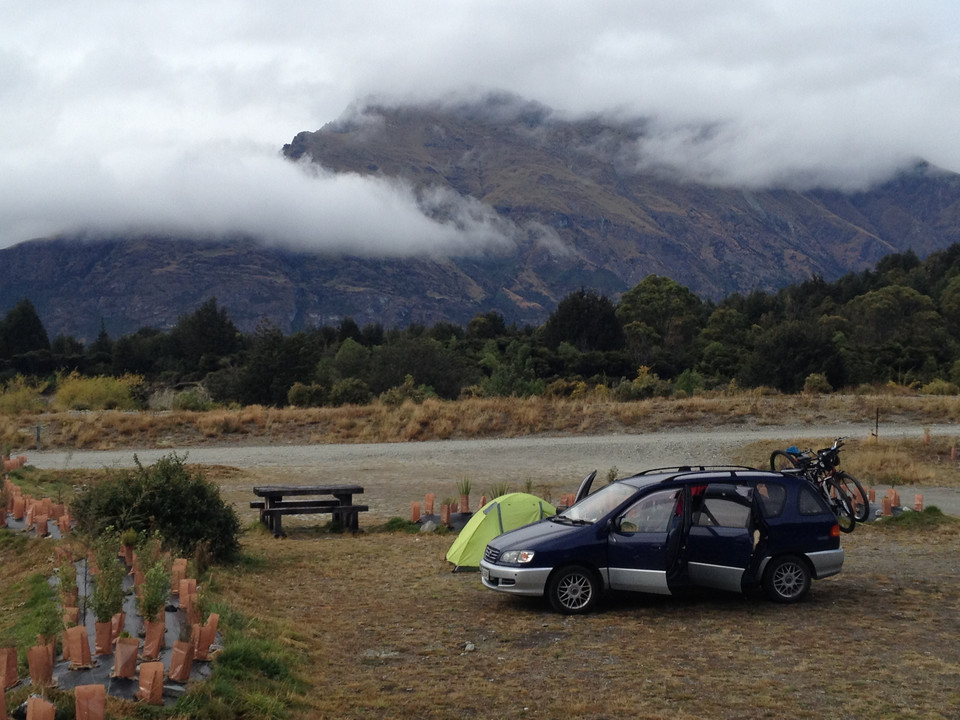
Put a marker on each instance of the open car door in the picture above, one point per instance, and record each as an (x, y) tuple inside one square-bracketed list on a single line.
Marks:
[(720, 541), (585, 486), (644, 543)]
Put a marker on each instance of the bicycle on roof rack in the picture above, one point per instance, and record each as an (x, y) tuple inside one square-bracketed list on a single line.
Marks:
[(821, 467)]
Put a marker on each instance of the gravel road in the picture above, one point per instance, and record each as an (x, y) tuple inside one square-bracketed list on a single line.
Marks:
[(394, 474)]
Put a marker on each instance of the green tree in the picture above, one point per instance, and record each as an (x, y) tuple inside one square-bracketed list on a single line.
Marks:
[(201, 338), (352, 359), (585, 320), (22, 331), (661, 320)]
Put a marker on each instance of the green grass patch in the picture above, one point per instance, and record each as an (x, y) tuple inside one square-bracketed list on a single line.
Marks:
[(37, 614), (253, 676), (931, 518)]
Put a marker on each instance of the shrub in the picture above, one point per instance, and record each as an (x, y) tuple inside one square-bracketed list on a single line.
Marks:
[(98, 393), (817, 383), (351, 391), (940, 387), (398, 394), (184, 507), (19, 396), (313, 395), (196, 400), (647, 384), (689, 382), (108, 592), (156, 590)]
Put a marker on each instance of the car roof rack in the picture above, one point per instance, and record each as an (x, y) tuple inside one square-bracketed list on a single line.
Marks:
[(678, 469)]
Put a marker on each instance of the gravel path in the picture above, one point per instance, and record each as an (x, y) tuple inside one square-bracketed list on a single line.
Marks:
[(394, 474)]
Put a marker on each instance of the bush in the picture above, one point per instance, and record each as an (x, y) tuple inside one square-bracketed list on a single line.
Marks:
[(108, 592), (689, 382), (940, 387), (19, 396), (399, 394), (98, 393), (351, 391), (816, 384), (313, 395), (647, 384), (196, 400), (167, 498)]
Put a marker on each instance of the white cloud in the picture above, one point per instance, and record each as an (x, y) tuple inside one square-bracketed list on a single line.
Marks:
[(116, 115)]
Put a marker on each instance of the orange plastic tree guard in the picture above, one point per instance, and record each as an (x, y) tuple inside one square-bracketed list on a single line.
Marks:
[(103, 638), (153, 638), (117, 623), (181, 661), (8, 667), (204, 636), (40, 709), (177, 573), (76, 643), (41, 667), (91, 701), (151, 683), (125, 657)]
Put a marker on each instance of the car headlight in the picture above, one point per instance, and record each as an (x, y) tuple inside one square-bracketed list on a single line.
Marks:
[(517, 556)]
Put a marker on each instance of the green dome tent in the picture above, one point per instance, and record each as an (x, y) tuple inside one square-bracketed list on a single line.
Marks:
[(504, 513)]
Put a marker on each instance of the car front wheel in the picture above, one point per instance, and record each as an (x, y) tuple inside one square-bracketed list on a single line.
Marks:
[(786, 579), (573, 590)]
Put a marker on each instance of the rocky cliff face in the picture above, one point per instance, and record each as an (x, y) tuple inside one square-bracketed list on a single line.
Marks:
[(585, 212)]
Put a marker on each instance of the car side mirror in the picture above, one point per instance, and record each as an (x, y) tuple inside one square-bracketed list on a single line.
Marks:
[(622, 525)]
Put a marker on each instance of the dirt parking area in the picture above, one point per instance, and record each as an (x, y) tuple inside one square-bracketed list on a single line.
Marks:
[(381, 626)]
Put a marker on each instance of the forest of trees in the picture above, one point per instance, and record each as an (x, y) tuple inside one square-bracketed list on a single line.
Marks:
[(899, 323)]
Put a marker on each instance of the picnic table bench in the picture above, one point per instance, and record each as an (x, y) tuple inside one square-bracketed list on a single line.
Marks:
[(273, 506)]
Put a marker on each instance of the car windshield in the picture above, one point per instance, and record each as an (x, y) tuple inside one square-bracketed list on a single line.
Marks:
[(595, 506)]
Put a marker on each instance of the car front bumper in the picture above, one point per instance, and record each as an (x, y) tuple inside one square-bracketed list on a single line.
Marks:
[(516, 580)]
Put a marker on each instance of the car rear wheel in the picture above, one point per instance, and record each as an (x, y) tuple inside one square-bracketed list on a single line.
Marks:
[(786, 579), (573, 590)]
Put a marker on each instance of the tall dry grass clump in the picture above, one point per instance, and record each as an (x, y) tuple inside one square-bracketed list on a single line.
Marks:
[(97, 393), (21, 395)]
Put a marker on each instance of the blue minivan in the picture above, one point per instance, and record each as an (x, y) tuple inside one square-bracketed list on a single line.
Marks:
[(666, 531)]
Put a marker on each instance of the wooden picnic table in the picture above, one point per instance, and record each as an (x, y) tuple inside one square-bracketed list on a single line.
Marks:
[(313, 499)]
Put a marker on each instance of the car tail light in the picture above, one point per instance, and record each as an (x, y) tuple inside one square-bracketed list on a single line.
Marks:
[(835, 530)]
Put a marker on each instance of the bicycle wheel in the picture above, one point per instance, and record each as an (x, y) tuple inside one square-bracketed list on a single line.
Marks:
[(858, 496), (842, 506), (781, 460)]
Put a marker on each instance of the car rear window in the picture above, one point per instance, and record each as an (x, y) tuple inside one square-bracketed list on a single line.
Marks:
[(771, 497), (811, 501)]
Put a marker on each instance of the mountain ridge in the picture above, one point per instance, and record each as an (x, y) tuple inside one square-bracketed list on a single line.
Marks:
[(582, 207)]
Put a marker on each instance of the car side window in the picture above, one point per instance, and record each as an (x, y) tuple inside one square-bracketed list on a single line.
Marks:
[(811, 502), (651, 513), (723, 505), (771, 497)]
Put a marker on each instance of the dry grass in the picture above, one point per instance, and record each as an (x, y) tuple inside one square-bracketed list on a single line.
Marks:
[(382, 628), (469, 418)]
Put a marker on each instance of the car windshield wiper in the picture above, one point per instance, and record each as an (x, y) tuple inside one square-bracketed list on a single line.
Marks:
[(571, 521)]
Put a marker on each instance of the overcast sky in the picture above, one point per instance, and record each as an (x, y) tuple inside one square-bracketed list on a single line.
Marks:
[(170, 116)]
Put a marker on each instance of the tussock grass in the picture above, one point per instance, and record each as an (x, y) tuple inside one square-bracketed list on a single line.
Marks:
[(436, 419)]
